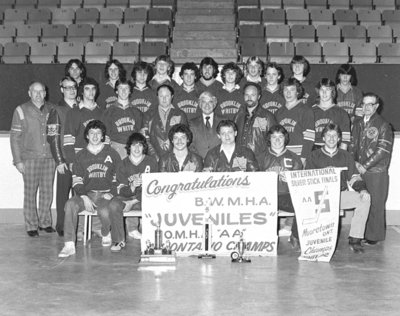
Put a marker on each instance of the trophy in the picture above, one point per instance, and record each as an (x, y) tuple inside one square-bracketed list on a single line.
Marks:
[(207, 238), (238, 256)]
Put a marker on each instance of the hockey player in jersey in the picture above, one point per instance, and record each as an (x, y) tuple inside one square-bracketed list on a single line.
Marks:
[(143, 97), (129, 177), (253, 122), (208, 80), (371, 147), (94, 182), (121, 118), (271, 98), (186, 96), (330, 155), (180, 158), (326, 111), (163, 119), (164, 68), (254, 72), (297, 118), (230, 97), (76, 69), (113, 72), (349, 96), (279, 159), (228, 156), (300, 68)]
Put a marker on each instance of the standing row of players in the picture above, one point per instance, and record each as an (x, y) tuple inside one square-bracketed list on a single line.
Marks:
[(137, 107)]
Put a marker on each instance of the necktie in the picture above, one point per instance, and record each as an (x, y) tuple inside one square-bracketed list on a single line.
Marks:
[(208, 125)]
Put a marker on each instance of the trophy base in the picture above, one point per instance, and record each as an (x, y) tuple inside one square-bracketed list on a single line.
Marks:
[(241, 260), (206, 256), (158, 258)]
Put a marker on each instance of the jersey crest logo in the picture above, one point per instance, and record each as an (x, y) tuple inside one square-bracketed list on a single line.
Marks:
[(372, 132), (108, 159)]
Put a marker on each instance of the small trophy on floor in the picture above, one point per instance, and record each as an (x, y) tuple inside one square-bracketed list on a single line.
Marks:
[(238, 255), (207, 234)]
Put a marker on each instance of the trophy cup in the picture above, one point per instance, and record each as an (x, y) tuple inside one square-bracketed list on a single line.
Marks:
[(206, 237), (238, 256)]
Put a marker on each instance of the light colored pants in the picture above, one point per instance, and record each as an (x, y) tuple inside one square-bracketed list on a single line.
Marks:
[(352, 199)]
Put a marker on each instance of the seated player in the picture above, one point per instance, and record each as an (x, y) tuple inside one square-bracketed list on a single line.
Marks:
[(279, 159), (254, 72), (94, 182), (330, 155), (180, 158), (228, 156), (129, 177), (271, 98), (187, 95)]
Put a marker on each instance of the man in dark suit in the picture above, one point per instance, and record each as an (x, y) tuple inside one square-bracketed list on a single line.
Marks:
[(204, 126)]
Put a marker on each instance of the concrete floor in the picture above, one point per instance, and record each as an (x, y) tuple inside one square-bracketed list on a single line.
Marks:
[(34, 281)]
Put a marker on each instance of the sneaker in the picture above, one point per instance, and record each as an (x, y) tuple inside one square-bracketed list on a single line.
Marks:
[(135, 234), (68, 250), (106, 240), (117, 247)]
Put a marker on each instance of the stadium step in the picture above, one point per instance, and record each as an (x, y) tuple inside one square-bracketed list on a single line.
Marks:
[(195, 4), (222, 43), (201, 52), (202, 26), (204, 35), (205, 11), (205, 18)]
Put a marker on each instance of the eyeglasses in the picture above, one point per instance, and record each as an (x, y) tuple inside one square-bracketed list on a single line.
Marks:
[(70, 88), (368, 104)]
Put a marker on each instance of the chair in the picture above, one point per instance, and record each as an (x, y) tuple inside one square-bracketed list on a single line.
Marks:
[(321, 17), (25, 4), (297, 16), (293, 4), (273, 16), (135, 15), (97, 4), (87, 16), (126, 52), (380, 34), (7, 33), (391, 17), (328, 33), (111, 15), (281, 52), (253, 47), (170, 4), (47, 4), (150, 50), (249, 16), (396, 33), (121, 4), (105, 32), (311, 51), (7, 4), (97, 52), (361, 5), (15, 16), (338, 4), (16, 53), (156, 33), (369, 17), (345, 17), (79, 33), (302, 33), (54, 33), (43, 53), (363, 53), (251, 31), (277, 33), (270, 4), (74, 4), (354, 33), (335, 53), (41, 16), (69, 50), (140, 4), (160, 15), (28, 33), (64, 16), (389, 53), (130, 32), (382, 5), (316, 4)]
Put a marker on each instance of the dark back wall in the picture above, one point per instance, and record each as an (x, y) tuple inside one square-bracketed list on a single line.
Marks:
[(15, 79)]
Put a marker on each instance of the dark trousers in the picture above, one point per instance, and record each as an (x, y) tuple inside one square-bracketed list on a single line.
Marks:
[(285, 204), (64, 185), (377, 186)]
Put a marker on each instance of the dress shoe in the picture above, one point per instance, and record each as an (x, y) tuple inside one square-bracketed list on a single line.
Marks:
[(47, 229), (32, 233), (355, 245), (370, 242)]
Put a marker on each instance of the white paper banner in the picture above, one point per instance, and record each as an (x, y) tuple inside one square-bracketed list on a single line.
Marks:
[(230, 203), (315, 195)]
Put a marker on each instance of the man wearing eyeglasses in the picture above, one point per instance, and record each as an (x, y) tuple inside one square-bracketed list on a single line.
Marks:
[(55, 137), (371, 146)]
